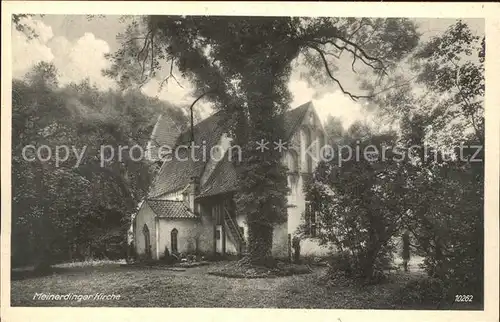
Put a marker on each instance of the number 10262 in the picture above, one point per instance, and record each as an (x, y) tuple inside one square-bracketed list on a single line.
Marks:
[(463, 298)]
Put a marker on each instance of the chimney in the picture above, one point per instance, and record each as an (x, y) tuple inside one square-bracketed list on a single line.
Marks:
[(193, 190)]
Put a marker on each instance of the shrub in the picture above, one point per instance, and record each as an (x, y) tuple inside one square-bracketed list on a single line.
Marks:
[(405, 252), (296, 249), (357, 209), (427, 292), (343, 265), (461, 273), (43, 264), (315, 260), (295, 269), (167, 257), (132, 254)]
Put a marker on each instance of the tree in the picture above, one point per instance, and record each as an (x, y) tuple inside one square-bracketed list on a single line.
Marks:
[(359, 204), (445, 203), (443, 114), (60, 211), (36, 222), (334, 129), (19, 22), (442, 82), (405, 253), (447, 65), (243, 65)]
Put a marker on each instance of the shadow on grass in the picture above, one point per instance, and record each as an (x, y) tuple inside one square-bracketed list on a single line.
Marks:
[(239, 270), (64, 268), (100, 266)]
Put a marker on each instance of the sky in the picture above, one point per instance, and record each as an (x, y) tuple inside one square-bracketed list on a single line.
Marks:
[(76, 46)]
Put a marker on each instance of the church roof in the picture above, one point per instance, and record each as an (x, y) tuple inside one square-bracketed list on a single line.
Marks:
[(165, 133), (176, 174), (293, 119), (222, 180), (171, 209)]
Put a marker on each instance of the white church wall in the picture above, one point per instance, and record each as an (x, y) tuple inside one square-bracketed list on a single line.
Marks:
[(206, 232), (280, 241), (187, 235), (145, 216), (311, 132)]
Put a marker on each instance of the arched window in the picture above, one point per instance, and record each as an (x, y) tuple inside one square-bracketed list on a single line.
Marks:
[(147, 241), (173, 241), (306, 146), (292, 161), (310, 218)]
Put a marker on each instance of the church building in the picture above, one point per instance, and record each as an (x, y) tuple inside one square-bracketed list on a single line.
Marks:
[(190, 206)]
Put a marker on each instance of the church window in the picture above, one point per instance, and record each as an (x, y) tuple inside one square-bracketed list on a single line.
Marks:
[(173, 241)]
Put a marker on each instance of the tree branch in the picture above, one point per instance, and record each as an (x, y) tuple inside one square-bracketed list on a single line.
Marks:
[(191, 109), (467, 102), (146, 43), (361, 50), (355, 54), (170, 75), (354, 62), (152, 56), (394, 86), (361, 25), (325, 63)]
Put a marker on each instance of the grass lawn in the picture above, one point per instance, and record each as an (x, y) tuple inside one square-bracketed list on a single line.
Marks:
[(194, 287)]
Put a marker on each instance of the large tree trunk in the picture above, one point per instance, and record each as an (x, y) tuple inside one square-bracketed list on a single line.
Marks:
[(262, 202), (260, 241), (43, 253), (262, 198), (369, 264)]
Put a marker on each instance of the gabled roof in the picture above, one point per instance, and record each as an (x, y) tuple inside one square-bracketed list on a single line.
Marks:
[(223, 179), (293, 119), (175, 174), (165, 133), (171, 209)]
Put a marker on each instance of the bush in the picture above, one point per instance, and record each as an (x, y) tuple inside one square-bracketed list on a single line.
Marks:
[(461, 274), (245, 269), (132, 254), (427, 292), (315, 260), (167, 257), (343, 265), (296, 249), (405, 251)]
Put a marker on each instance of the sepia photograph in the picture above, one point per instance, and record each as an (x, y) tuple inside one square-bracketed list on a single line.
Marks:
[(247, 161)]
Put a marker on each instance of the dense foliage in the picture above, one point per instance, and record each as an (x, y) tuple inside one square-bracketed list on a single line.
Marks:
[(359, 203), (447, 193), (435, 188), (77, 208)]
